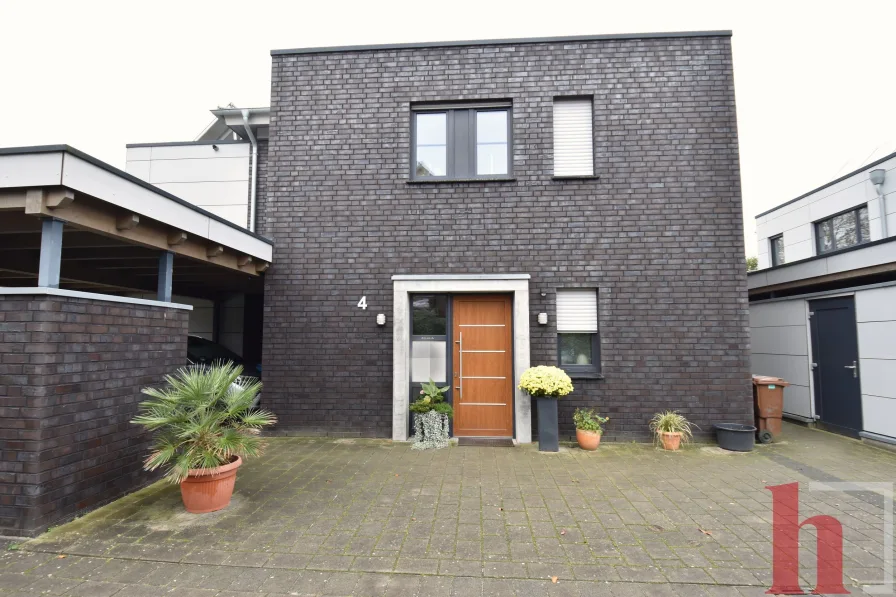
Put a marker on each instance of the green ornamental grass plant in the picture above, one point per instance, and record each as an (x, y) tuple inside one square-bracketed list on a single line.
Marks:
[(671, 422), (202, 418)]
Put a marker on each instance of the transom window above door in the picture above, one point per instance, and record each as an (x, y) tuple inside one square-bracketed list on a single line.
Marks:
[(461, 141)]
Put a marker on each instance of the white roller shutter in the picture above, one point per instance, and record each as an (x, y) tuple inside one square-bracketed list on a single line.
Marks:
[(577, 310), (573, 138)]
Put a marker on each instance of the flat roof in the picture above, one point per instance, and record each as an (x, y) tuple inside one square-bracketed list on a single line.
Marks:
[(828, 184), (500, 42), (44, 149)]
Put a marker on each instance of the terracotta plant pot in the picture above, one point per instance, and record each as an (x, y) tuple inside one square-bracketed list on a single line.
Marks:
[(671, 440), (588, 440), (208, 490)]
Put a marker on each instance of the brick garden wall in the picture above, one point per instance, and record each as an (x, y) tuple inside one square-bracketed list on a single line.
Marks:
[(71, 370), (659, 233)]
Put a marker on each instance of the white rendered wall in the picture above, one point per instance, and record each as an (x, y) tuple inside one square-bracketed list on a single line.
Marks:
[(780, 348), (202, 317), (795, 220), (876, 321), (217, 181)]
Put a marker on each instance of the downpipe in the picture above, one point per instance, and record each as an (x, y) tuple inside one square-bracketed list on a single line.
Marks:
[(254, 162)]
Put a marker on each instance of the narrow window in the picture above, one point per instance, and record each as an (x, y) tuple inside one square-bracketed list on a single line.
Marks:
[(429, 338), (843, 230), (578, 337), (573, 137), (491, 142), (777, 248), (432, 144), (461, 141)]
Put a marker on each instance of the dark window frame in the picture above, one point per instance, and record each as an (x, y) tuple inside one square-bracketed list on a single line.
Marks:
[(453, 169), (415, 386), (773, 249), (592, 371), (816, 227)]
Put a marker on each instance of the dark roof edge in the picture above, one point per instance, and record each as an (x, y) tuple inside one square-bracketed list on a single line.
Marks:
[(129, 177), (828, 184), (176, 143), (500, 42), (874, 243)]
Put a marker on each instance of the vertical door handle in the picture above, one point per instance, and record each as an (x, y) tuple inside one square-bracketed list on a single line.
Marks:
[(460, 364), (853, 367)]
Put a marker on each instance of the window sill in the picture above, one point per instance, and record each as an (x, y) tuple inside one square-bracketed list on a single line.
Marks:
[(579, 177), (585, 376), (452, 180)]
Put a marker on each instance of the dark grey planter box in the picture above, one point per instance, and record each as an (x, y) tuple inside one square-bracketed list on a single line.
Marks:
[(548, 432)]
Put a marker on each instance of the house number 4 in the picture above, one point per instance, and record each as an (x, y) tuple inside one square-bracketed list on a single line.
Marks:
[(363, 302)]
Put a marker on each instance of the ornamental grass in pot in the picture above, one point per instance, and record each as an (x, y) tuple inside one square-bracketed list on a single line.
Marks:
[(589, 428), (671, 429), (546, 385), (431, 417), (203, 423)]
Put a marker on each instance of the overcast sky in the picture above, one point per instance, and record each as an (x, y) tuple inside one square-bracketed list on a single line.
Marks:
[(815, 85)]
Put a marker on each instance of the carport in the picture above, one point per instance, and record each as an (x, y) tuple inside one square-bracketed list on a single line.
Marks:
[(93, 265)]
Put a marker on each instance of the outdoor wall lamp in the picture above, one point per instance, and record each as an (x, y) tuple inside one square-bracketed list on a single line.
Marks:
[(381, 319), (877, 179), (543, 318)]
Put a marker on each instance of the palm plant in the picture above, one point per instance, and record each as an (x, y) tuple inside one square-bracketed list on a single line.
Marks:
[(202, 419)]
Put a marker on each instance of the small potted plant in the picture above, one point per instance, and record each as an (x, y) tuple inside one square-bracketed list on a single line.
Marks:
[(431, 417), (204, 423), (546, 385), (588, 428), (671, 429)]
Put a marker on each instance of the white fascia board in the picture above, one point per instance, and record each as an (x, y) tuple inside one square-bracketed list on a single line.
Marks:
[(85, 177), (31, 170), (69, 170)]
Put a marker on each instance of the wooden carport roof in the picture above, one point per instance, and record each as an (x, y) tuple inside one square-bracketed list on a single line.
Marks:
[(115, 228)]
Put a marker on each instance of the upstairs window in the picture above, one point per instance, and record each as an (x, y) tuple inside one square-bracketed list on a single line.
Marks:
[(461, 141), (777, 249), (573, 137), (578, 339), (844, 230)]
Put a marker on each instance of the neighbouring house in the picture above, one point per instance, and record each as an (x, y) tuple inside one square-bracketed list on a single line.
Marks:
[(451, 211), (823, 302)]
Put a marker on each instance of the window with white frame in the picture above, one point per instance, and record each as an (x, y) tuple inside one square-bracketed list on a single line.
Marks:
[(578, 333), (573, 137)]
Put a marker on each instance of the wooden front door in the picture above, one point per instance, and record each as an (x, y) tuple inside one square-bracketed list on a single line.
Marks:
[(483, 365)]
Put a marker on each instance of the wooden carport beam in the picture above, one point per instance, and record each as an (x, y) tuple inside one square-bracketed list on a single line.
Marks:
[(127, 222), (35, 201), (177, 238), (89, 214)]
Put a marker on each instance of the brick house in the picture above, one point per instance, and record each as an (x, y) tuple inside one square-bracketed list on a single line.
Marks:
[(449, 211), (593, 179)]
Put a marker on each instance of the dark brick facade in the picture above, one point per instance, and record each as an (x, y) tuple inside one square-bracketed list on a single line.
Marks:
[(659, 233), (71, 370)]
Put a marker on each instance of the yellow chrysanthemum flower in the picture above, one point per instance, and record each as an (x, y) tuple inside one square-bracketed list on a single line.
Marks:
[(545, 381)]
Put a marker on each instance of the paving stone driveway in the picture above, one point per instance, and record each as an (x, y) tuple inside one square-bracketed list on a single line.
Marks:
[(364, 517)]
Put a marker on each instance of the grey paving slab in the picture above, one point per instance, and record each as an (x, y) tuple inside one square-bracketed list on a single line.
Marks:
[(318, 517)]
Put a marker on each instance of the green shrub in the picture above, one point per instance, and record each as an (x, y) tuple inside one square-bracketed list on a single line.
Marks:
[(588, 420), (432, 397)]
